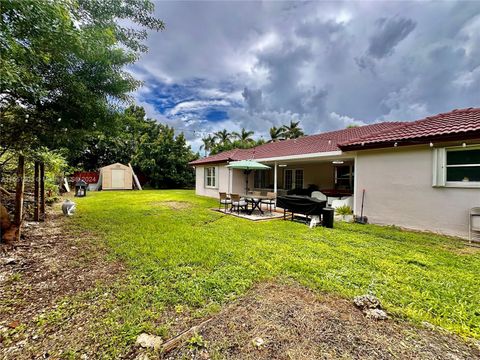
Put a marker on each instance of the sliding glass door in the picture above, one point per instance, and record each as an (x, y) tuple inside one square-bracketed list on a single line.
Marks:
[(293, 179)]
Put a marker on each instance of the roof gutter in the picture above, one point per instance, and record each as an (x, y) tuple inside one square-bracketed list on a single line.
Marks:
[(411, 142), (302, 156)]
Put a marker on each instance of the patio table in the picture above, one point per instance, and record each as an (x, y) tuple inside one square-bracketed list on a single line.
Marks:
[(255, 200)]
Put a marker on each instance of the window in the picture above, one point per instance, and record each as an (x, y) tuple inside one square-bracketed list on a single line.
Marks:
[(344, 177), (463, 165), (457, 167), (211, 177)]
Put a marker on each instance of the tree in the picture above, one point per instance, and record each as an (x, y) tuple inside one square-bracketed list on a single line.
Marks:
[(62, 67), (118, 145), (244, 137), (164, 157), (223, 137), (293, 130), (208, 144), (276, 134)]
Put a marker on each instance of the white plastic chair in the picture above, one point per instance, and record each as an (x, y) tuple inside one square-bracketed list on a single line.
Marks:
[(319, 195), (473, 222)]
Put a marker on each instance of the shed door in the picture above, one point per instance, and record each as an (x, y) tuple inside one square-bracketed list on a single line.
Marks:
[(118, 179)]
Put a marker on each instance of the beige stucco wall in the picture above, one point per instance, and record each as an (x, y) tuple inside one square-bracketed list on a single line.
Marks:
[(234, 185), (398, 184), (107, 177), (320, 174)]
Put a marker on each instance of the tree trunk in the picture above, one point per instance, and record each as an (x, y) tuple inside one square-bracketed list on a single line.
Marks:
[(36, 199), (42, 191), (19, 194)]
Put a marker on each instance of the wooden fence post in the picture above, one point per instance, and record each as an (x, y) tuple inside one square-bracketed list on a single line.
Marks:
[(36, 194), (18, 217), (42, 191)]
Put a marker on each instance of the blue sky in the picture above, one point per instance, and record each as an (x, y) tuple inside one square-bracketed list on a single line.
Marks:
[(326, 64)]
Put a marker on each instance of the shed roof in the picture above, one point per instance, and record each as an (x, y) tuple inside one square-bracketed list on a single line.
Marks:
[(115, 164)]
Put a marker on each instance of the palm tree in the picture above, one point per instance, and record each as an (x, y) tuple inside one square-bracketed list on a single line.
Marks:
[(293, 131), (208, 144), (276, 134), (223, 137), (244, 137)]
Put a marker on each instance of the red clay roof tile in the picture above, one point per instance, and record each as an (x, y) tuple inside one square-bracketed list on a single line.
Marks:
[(456, 122), (464, 121), (324, 142)]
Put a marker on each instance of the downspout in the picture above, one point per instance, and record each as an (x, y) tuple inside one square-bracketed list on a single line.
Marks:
[(275, 178), (355, 182)]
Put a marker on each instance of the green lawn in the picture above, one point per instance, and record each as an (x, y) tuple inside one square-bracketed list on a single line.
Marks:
[(185, 256)]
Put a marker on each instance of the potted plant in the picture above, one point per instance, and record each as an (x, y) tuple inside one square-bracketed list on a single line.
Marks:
[(345, 213)]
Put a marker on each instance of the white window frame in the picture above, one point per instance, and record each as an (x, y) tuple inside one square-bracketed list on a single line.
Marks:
[(214, 177), (440, 168)]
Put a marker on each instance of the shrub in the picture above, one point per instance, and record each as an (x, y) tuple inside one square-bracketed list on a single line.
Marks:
[(344, 210)]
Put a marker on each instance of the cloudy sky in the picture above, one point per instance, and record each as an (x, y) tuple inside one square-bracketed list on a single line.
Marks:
[(229, 64)]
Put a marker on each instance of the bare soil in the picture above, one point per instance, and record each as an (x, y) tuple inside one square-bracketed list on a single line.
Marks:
[(48, 265), (295, 323), (174, 205)]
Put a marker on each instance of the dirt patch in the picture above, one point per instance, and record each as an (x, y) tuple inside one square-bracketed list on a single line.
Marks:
[(289, 322), (468, 249), (174, 205), (46, 266)]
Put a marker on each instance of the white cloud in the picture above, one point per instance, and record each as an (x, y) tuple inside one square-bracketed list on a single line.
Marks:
[(325, 64), (196, 105)]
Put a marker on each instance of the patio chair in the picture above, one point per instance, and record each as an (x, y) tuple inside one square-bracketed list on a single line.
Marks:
[(474, 224), (237, 203), (271, 201), (224, 200), (319, 195)]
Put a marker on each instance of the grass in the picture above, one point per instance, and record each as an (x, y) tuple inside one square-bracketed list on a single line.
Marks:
[(182, 256)]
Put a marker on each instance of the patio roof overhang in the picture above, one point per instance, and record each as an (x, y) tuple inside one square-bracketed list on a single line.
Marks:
[(323, 156)]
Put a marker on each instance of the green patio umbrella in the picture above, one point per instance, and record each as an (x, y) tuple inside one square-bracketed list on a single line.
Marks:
[(247, 166)]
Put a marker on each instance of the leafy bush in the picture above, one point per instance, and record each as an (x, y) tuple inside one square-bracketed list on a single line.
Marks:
[(344, 210)]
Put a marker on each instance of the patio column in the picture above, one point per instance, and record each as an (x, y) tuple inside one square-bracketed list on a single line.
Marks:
[(275, 178), (230, 180)]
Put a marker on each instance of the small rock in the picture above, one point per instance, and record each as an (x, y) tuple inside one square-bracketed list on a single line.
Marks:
[(375, 314), (258, 342), (149, 341), (84, 357), (9, 261), (367, 302)]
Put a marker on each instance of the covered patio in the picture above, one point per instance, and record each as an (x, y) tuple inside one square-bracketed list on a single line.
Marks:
[(333, 176)]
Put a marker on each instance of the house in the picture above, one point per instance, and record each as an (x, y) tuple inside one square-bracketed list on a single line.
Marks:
[(423, 174)]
